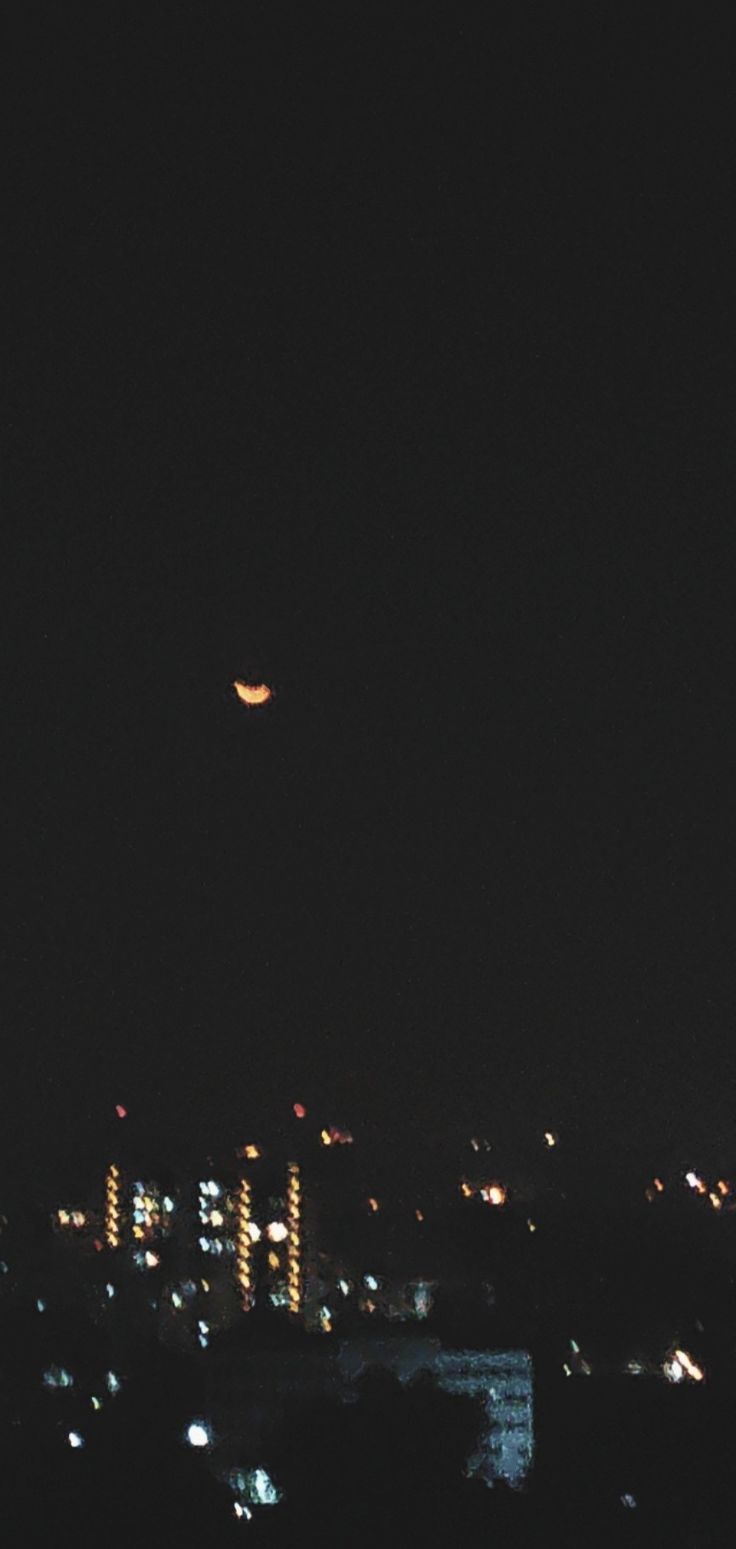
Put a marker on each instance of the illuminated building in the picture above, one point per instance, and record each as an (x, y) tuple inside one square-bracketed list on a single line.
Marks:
[(112, 1207), (294, 1225), (244, 1245)]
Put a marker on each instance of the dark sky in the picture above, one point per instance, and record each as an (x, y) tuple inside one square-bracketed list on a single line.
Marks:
[(388, 358)]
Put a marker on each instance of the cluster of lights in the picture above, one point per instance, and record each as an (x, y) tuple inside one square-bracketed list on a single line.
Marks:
[(336, 1137), (293, 1221), (490, 1193), (146, 1213), (715, 1196), (75, 1218), (244, 1245), (112, 1207)]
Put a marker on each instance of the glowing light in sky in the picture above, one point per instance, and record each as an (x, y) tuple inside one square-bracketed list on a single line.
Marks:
[(121, 1112), (300, 1111), (252, 693), (198, 1434)]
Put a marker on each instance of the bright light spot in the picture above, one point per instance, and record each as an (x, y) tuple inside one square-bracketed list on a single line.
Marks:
[(300, 1111), (264, 1490), (495, 1194), (40, 1304), (121, 1112), (325, 1137), (532, 1226), (152, 1260), (325, 1320), (673, 1371), (199, 1434), (254, 1232), (689, 1365), (113, 1382), (696, 1183), (205, 1285), (168, 1204), (419, 1215), (628, 1500), (211, 1188), (466, 1190), (373, 1205), (716, 1200), (550, 1138), (204, 1244), (273, 1260), (96, 1403), (251, 1153), (574, 1347), (371, 1282), (110, 1289), (57, 1377), (344, 1287), (176, 1299), (75, 1440), (63, 1217), (252, 693), (277, 1231), (217, 1218), (566, 1370), (475, 1144)]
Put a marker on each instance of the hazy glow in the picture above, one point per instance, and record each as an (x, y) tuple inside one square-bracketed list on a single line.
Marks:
[(252, 693), (300, 1111), (198, 1434), (277, 1231), (75, 1440), (689, 1365)]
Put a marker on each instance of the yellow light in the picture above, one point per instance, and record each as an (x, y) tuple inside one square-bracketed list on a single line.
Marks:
[(252, 693), (216, 1218), (293, 1215), (466, 1190), (112, 1207), (723, 1187), (373, 1205), (532, 1226), (496, 1194), (326, 1137), (715, 1200), (138, 1233), (205, 1285), (64, 1217), (659, 1186), (550, 1137), (251, 1152), (273, 1260)]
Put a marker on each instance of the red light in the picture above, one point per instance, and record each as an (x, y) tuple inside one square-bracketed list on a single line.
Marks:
[(300, 1110), (121, 1112)]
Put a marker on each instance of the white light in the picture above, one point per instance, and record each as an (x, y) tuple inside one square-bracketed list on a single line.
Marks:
[(152, 1260), (344, 1287), (277, 1231), (371, 1282), (204, 1328), (628, 1500), (176, 1299), (265, 1490), (198, 1434), (110, 1289), (674, 1371), (168, 1204), (254, 1232), (204, 1244), (40, 1305), (113, 1382), (75, 1440), (96, 1403)]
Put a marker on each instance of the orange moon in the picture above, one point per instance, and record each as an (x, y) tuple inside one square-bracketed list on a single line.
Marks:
[(252, 693)]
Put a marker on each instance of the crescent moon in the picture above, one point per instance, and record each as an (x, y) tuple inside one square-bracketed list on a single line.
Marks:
[(252, 693)]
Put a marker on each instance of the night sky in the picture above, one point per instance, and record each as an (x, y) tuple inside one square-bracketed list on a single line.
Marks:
[(389, 359)]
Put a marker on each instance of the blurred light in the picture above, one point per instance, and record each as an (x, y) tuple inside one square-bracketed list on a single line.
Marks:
[(40, 1304), (659, 1186), (121, 1112), (532, 1226), (110, 1289), (550, 1138), (205, 1285), (689, 1365), (373, 1205), (251, 1153), (254, 1231), (325, 1320), (325, 1137), (273, 1260), (466, 1190), (723, 1187), (475, 1144), (300, 1111), (199, 1434), (673, 1371), (695, 1182), (293, 1216), (252, 693), (204, 1244), (176, 1299), (371, 1282), (96, 1403), (495, 1194), (628, 1500), (152, 1260), (419, 1215), (264, 1490), (344, 1287), (277, 1231), (566, 1370), (57, 1377), (168, 1204), (217, 1218), (113, 1382), (63, 1217), (715, 1200), (75, 1440)]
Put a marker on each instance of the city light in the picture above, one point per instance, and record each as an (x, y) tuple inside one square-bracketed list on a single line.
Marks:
[(373, 1205), (689, 1366), (244, 1245), (277, 1231), (550, 1138), (293, 1218), (75, 1440), (252, 693), (112, 1207), (199, 1434)]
